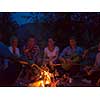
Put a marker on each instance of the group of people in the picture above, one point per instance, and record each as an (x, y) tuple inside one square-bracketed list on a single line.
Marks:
[(71, 59)]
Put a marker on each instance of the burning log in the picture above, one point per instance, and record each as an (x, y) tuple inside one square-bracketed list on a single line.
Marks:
[(44, 77)]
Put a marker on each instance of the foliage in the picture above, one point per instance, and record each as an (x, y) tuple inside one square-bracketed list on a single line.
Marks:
[(7, 27)]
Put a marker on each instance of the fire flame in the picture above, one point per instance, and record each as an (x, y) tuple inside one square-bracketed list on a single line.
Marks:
[(46, 77)]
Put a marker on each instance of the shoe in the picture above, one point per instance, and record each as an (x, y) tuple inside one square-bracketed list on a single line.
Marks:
[(70, 80), (86, 81), (77, 76)]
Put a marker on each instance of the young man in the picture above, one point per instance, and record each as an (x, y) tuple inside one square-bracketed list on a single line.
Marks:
[(92, 73), (13, 48), (11, 67), (7, 76), (71, 55)]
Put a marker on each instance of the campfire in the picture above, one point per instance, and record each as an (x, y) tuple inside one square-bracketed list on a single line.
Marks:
[(44, 78)]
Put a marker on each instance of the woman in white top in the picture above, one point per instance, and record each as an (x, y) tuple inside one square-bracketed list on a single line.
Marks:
[(51, 52)]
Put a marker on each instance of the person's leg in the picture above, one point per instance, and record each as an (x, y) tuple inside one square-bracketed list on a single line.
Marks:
[(8, 75), (3, 80), (61, 70), (74, 70), (94, 77), (85, 77), (98, 82)]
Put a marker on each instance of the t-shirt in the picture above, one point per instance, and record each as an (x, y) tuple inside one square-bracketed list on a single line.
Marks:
[(16, 51), (51, 54), (33, 54), (68, 51)]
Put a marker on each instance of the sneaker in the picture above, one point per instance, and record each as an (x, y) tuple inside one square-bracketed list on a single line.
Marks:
[(70, 80), (86, 81), (77, 76)]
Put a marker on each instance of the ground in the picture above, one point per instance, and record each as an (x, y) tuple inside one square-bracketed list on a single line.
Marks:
[(78, 83)]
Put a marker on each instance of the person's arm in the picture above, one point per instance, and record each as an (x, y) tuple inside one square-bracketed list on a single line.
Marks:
[(38, 55), (95, 67), (82, 52), (45, 56), (38, 52), (96, 62), (85, 52), (79, 56), (6, 63), (5, 52), (25, 50), (56, 56), (61, 57), (18, 52)]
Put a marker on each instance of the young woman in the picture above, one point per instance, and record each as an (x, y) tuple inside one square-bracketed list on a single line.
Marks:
[(51, 53), (32, 51)]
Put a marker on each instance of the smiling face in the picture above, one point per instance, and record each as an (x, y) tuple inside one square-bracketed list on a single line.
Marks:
[(50, 43), (31, 42), (14, 43), (72, 43)]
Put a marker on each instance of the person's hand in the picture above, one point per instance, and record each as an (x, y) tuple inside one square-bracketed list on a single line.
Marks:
[(5, 66), (26, 50), (69, 61), (62, 60), (90, 72), (51, 63), (85, 53), (87, 68), (98, 82)]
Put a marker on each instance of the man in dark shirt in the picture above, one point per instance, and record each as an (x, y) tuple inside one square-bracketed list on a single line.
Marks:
[(4, 53)]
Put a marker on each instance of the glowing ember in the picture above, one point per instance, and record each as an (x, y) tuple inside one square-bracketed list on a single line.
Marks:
[(42, 84), (46, 77), (45, 80), (39, 83)]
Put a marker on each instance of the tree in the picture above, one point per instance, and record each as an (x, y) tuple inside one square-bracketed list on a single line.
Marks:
[(7, 27)]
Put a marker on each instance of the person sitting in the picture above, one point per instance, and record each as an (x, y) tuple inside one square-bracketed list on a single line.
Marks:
[(51, 53), (32, 51), (71, 55), (92, 72), (12, 68), (65, 81), (56, 74), (13, 48)]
